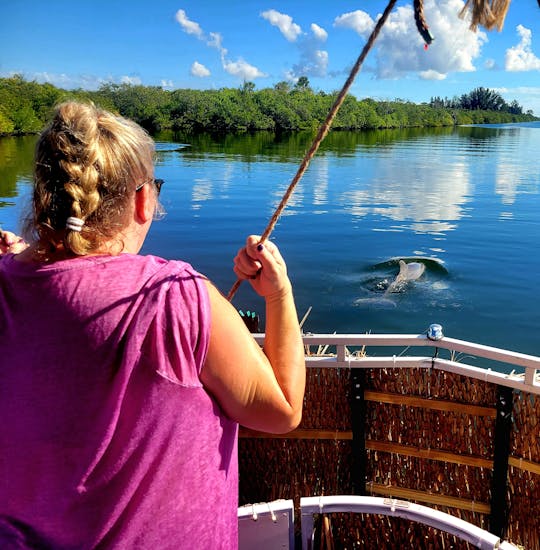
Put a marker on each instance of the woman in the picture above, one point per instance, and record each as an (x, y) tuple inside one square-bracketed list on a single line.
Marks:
[(124, 377)]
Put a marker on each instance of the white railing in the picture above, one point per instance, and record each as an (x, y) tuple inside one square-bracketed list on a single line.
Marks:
[(311, 506), (270, 525), (528, 379)]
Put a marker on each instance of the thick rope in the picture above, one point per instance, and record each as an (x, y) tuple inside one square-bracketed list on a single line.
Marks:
[(421, 22), (323, 131)]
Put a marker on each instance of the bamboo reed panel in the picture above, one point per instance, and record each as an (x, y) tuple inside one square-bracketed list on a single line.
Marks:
[(524, 465), (438, 405), (430, 429), (429, 434), (526, 435), (298, 434), (372, 531), (433, 384), (278, 468), (430, 454), (422, 496), (430, 476), (326, 401), (524, 497)]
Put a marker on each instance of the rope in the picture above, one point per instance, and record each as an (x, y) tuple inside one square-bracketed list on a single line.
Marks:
[(420, 21), (323, 131)]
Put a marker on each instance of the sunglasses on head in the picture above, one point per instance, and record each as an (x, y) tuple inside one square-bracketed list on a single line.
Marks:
[(157, 182)]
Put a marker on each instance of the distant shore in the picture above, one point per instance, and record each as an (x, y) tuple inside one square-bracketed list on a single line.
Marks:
[(26, 106)]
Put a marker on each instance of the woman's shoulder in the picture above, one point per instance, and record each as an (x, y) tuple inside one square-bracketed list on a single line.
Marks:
[(158, 263), (155, 269)]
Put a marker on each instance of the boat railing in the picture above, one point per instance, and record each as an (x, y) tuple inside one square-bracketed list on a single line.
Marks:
[(506, 368), (270, 525), (423, 418), (312, 506)]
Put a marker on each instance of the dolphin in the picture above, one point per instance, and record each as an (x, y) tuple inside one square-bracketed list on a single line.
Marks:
[(407, 272)]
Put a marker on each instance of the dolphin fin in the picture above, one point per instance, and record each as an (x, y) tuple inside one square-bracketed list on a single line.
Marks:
[(415, 270), (403, 269), (401, 277)]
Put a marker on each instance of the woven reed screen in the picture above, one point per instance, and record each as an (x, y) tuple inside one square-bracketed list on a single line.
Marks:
[(429, 439)]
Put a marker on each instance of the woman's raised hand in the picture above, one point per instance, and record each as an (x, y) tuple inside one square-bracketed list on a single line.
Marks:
[(263, 266)]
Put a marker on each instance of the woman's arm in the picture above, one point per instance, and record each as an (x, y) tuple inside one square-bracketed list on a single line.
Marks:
[(262, 390)]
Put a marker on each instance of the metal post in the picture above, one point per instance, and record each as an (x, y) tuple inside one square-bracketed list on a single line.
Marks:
[(358, 421), (498, 519)]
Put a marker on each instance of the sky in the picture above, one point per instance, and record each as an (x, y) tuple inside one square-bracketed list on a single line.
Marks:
[(211, 44)]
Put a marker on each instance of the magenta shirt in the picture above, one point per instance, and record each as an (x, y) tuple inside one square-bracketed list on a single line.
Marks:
[(107, 437)]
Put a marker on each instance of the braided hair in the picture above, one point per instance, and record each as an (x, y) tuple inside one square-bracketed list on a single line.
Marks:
[(88, 163)]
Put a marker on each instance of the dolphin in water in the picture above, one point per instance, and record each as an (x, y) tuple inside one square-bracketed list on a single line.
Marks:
[(407, 272)]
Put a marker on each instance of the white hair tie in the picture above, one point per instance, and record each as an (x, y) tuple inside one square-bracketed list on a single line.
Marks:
[(75, 224)]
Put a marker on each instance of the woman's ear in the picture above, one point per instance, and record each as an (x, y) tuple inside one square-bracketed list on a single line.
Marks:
[(145, 203)]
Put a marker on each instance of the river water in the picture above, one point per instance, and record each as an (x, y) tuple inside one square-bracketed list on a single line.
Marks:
[(465, 202)]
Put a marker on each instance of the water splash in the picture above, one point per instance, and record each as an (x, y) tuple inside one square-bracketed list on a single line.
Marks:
[(389, 284)]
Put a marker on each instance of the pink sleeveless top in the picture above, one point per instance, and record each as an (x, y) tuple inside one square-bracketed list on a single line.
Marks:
[(107, 437)]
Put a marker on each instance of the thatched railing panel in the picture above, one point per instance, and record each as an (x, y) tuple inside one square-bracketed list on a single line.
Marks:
[(326, 401), (429, 439), (367, 531), (526, 433), (429, 476), (434, 384), (272, 469), (524, 472), (430, 429), (524, 497)]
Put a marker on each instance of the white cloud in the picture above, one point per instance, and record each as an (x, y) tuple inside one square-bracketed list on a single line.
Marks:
[(312, 63), (239, 68), (490, 64), (519, 90), (131, 80), (284, 23), (431, 75), (399, 47), (242, 69), (358, 21), (190, 27), (68, 82), (521, 57), (319, 32), (198, 69), (167, 83), (74, 81), (216, 42)]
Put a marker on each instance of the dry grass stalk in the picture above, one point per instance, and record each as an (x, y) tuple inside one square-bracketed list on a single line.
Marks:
[(488, 13)]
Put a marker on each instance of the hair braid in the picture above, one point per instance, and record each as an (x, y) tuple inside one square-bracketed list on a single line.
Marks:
[(88, 162)]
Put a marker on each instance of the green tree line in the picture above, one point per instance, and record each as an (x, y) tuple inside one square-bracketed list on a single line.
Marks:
[(25, 106), (480, 99)]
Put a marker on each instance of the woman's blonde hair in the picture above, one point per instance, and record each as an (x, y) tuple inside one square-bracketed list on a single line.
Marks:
[(88, 163)]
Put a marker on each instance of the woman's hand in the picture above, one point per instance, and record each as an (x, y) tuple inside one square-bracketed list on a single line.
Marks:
[(263, 266), (11, 243)]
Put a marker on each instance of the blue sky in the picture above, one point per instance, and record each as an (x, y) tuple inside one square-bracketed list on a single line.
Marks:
[(213, 44)]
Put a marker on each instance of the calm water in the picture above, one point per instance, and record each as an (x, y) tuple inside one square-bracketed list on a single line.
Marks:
[(465, 202)]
